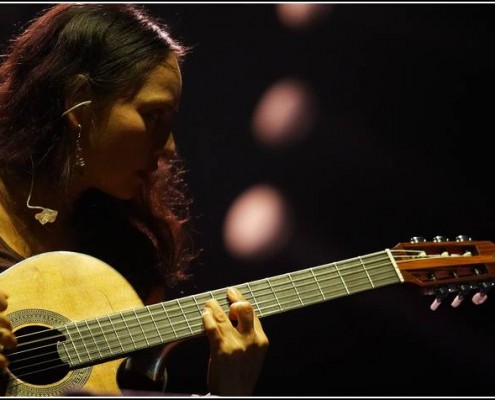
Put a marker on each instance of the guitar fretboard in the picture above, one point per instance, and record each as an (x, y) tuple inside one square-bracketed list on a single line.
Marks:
[(91, 341)]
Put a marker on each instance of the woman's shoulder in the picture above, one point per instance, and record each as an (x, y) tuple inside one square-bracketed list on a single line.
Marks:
[(8, 256)]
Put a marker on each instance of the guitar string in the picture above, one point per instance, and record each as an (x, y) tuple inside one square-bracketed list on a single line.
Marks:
[(200, 324), (247, 295), (270, 278), (126, 327), (58, 366), (207, 294)]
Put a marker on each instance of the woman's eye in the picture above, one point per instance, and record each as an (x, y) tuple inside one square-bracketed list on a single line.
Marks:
[(151, 117), (157, 116)]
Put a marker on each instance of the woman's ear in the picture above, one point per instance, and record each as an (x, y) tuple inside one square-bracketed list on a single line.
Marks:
[(77, 98)]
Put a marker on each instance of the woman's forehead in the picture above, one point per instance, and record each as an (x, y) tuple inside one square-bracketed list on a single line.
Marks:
[(163, 82)]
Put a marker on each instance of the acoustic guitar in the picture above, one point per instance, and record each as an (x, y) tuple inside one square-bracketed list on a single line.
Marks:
[(76, 318)]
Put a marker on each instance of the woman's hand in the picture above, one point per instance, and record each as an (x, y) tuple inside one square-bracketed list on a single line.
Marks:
[(236, 352), (7, 338)]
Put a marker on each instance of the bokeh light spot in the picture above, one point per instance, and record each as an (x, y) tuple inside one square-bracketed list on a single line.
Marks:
[(285, 114), (300, 16), (257, 224)]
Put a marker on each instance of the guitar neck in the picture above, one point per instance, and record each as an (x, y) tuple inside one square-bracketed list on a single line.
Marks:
[(92, 341)]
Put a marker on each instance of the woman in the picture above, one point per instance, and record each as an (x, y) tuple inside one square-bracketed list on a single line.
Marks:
[(88, 94)]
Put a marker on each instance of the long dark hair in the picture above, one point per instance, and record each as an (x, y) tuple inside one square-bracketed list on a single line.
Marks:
[(113, 46)]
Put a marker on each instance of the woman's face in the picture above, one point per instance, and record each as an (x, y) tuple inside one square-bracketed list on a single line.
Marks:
[(130, 135)]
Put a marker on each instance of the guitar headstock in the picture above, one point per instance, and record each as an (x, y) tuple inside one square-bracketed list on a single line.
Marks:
[(441, 267)]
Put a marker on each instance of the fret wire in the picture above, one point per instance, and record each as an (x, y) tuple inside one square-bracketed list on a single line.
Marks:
[(116, 333), (317, 283), (295, 289), (254, 299), (197, 305), (94, 339), (83, 342), (215, 295), (64, 344), (104, 336), (274, 295), (183, 314), (130, 335), (193, 308), (74, 342), (366, 272), (169, 320), (341, 277), (154, 323), (141, 326)]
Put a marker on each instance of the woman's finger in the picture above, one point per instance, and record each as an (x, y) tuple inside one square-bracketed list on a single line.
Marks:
[(7, 339), (234, 295), (215, 320), (242, 311), (3, 301), (4, 362), (5, 323), (210, 325)]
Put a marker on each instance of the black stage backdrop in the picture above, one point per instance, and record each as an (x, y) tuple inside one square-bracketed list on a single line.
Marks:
[(401, 146)]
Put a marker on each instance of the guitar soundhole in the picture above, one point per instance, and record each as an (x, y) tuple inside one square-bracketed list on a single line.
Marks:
[(36, 359)]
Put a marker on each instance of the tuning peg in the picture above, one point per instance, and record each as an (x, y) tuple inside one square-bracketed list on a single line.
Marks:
[(464, 290), (463, 238), (481, 296), (441, 294), (440, 239), (418, 239), (457, 301), (436, 303)]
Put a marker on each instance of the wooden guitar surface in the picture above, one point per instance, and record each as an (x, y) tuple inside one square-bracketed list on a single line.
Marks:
[(66, 285)]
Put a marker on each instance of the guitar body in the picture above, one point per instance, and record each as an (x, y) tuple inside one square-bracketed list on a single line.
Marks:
[(75, 317), (54, 288)]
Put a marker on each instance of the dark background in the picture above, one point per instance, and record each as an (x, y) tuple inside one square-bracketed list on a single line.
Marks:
[(402, 147)]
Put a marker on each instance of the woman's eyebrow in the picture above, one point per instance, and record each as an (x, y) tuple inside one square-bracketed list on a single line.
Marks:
[(160, 103)]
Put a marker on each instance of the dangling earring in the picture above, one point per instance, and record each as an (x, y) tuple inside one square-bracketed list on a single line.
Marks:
[(80, 163)]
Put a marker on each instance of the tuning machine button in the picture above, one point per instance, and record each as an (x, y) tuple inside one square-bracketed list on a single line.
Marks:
[(463, 238), (439, 238), (441, 295), (481, 296), (418, 239), (464, 290)]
